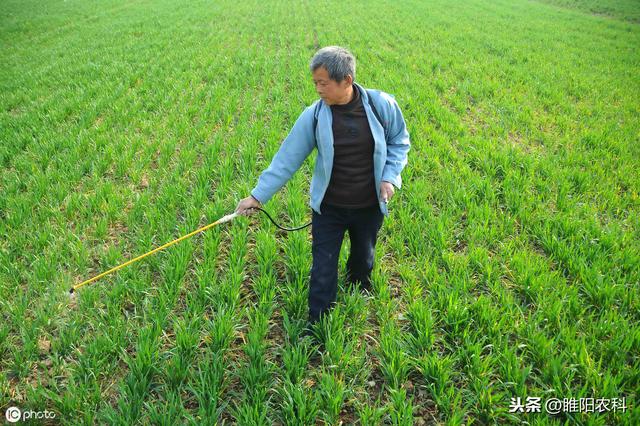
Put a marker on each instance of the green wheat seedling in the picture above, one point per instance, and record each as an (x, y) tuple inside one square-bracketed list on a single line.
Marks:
[(332, 391)]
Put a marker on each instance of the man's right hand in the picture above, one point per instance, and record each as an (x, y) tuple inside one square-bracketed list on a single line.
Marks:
[(245, 206)]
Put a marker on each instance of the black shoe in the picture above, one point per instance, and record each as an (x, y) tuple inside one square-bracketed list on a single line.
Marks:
[(362, 288), (307, 337), (361, 283), (308, 332), (366, 289)]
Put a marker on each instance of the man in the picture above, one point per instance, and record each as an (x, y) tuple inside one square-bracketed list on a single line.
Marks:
[(362, 144)]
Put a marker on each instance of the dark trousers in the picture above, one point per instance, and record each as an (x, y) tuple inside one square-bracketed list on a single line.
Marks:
[(327, 232)]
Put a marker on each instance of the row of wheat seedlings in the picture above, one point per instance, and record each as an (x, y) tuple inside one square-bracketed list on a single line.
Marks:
[(297, 403), (253, 400), (252, 403), (390, 351)]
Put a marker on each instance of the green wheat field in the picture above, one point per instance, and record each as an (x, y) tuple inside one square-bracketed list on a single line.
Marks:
[(509, 266)]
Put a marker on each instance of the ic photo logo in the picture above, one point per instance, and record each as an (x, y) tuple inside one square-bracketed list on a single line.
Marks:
[(14, 415)]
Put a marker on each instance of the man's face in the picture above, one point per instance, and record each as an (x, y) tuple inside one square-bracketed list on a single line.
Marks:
[(330, 90)]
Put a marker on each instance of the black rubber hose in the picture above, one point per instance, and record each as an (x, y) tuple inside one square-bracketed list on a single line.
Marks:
[(281, 227)]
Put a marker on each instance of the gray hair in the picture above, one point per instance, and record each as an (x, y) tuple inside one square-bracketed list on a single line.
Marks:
[(338, 61)]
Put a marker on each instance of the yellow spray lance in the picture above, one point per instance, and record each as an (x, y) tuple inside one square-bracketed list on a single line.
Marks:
[(223, 219)]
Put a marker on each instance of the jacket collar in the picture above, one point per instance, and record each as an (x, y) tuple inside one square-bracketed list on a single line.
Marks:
[(363, 93)]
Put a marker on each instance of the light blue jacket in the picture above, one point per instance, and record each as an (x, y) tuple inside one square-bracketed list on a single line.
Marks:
[(389, 154)]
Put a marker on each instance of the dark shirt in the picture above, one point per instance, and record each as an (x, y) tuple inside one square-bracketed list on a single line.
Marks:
[(352, 183)]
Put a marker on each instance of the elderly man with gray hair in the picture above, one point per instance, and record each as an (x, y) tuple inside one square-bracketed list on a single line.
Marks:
[(362, 144)]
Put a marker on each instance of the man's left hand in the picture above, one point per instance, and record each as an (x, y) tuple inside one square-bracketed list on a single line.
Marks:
[(386, 191)]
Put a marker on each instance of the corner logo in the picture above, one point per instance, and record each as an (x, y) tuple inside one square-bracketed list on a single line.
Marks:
[(13, 414)]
